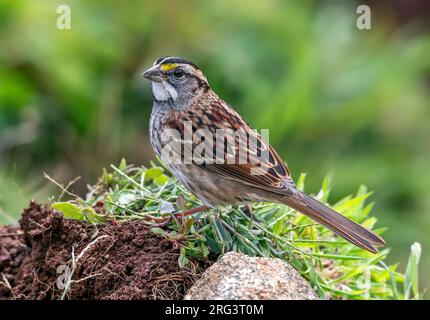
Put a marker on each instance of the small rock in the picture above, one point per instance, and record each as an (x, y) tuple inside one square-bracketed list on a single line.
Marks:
[(239, 277)]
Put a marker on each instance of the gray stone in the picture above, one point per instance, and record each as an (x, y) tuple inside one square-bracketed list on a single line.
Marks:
[(240, 277)]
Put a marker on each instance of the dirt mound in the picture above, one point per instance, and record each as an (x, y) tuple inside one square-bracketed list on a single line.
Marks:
[(47, 257)]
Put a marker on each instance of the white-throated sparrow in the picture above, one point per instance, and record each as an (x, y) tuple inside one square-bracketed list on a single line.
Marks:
[(219, 157)]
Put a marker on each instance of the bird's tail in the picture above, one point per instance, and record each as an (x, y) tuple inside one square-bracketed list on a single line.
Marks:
[(336, 222)]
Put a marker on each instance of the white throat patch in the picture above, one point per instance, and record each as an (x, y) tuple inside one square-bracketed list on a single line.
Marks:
[(163, 91)]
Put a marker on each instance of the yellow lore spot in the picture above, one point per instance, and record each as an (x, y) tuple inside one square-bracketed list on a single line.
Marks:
[(168, 66)]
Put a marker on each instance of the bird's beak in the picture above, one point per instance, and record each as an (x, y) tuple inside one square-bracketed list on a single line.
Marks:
[(154, 74)]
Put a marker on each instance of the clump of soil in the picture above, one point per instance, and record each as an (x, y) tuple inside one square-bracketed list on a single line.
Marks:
[(48, 257)]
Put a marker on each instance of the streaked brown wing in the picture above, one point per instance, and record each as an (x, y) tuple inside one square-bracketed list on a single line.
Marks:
[(268, 173), (263, 167)]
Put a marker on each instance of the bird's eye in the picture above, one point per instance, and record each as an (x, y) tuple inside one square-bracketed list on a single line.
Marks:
[(178, 73)]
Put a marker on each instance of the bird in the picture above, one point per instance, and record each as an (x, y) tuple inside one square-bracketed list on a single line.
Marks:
[(184, 106)]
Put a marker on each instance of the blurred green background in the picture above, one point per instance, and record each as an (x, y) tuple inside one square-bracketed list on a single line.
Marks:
[(352, 103)]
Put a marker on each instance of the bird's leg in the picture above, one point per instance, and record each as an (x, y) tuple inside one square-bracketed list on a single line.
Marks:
[(248, 211), (162, 222), (191, 211), (180, 202), (183, 214), (247, 208)]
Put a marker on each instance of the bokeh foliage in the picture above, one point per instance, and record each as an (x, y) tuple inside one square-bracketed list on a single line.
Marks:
[(337, 100)]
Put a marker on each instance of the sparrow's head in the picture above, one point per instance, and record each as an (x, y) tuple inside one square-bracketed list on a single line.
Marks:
[(175, 80)]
